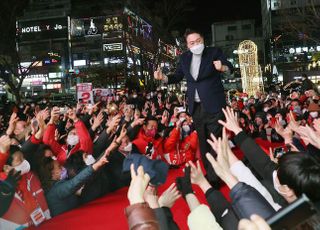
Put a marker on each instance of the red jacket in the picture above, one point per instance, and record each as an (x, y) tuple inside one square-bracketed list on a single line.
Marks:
[(141, 142), (180, 151), (25, 202), (61, 151)]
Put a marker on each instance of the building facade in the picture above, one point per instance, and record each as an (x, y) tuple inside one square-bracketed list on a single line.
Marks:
[(228, 35), (291, 33), (64, 48)]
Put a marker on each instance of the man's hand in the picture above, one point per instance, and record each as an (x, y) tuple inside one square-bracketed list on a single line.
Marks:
[(231, 122), (138, 185), (218, 66), (158, 75), (4, 144)]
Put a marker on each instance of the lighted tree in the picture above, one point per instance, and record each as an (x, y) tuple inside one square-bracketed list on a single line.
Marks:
[(299, 23), (11, 71)]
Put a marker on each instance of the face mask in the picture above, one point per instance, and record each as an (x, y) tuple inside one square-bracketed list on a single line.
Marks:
[(128, 148), (24, 167), (151, 132), (89, 160), (134, 96), (148, 97), (186, 128), (72, 139), (276, 185), (63, 174), (197, 49), (314, 114), (265, 109), (182, 119)]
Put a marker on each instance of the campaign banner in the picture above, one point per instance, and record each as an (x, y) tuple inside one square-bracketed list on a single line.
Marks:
[(84, 93), (101, 94)]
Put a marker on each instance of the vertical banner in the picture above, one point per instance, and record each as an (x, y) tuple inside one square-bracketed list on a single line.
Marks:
[(84, 93)]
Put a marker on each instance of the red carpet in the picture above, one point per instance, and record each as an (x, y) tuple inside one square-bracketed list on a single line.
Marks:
[(108, 211)]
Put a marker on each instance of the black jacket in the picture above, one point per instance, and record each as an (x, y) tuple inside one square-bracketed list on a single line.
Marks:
[(208, 83), (260, 161)]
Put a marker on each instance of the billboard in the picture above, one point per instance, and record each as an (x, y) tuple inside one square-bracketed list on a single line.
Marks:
[(93, 26), (42, 29)]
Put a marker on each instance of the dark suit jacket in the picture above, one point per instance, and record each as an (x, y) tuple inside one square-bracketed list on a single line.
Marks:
[(208, 84)]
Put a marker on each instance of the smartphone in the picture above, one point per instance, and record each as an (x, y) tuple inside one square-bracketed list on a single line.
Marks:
[(279, 151), (290, 217)]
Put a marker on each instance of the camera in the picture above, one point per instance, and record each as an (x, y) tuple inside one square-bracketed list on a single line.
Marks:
[(280, 151)]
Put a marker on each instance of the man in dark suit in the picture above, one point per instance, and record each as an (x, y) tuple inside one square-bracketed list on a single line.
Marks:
[(202, 67)]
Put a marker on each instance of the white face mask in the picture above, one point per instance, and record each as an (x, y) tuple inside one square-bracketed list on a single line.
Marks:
[(89, 160), (314, 114), (277, 185), (197, 49), (265, 109), (72, 139), (186, 128), (24, 167), (128, 148)]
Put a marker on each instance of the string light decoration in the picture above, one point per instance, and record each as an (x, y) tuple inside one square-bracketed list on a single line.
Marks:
[(251, 76)]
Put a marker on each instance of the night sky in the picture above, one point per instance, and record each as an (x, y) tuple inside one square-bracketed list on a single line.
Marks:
[(206, 12)]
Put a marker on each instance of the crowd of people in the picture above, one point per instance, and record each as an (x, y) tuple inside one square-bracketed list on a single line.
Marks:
[(54, 158)]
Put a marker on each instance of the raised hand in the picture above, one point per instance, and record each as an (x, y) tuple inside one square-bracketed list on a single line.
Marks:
[(286, 133), (221, 165), (12, 123), (138, 185), (158, 75), (169, 196), (100, 162), (97, 121), (184, 183), (218, 65), (151, 197), (231, 122), (55, 112), (4, 143), (113, 123), (293, 124), (197, 176)]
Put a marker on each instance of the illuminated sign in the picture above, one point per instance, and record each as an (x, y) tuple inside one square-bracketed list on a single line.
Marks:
[(112, 24), (112, 47), (42, 29), (35, 29)]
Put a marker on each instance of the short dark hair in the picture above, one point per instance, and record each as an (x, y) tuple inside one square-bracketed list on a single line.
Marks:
[(191, 31), (301, 172)]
